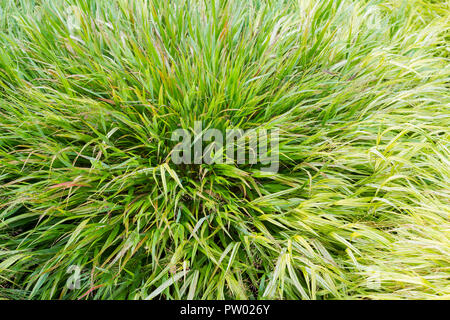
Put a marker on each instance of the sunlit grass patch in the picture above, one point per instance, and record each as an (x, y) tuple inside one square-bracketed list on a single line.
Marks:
[(92, 206)]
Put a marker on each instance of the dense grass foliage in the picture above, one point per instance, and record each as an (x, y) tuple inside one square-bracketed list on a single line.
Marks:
[(90, 92)]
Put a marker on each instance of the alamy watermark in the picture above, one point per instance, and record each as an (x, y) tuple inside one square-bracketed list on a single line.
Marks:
[(373, 18), (74, 280), (213, 146), (373, 280)]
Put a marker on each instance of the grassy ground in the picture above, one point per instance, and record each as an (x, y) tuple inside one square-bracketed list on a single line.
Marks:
[(89, 97)]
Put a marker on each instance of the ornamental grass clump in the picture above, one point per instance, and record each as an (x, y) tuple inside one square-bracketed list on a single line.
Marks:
[(92, 205)]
